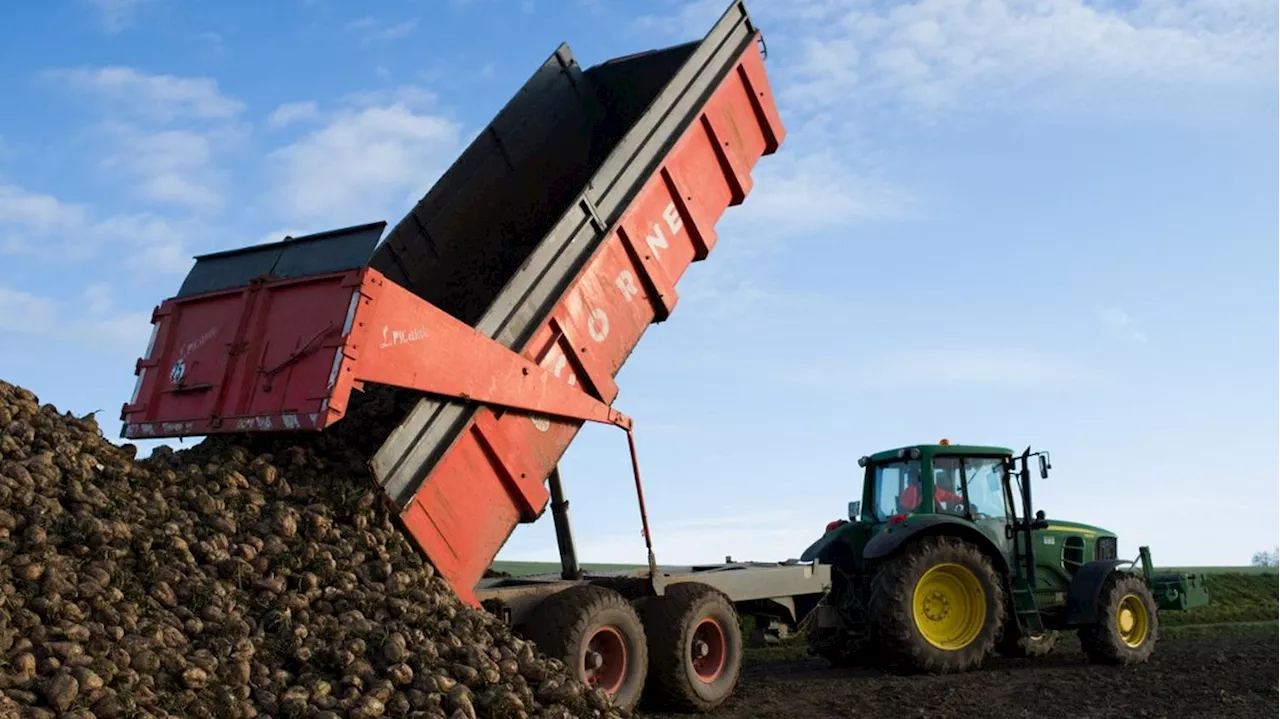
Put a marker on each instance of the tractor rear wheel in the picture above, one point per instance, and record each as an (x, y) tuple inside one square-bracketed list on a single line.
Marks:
[(695, 648), (1128, 622), (937, 607), (599, 636)]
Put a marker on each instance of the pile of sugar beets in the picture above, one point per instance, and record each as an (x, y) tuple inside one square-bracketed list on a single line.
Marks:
[(234, 580)]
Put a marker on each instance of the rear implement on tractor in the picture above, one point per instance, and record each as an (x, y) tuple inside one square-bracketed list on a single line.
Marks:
[(942, 562), (503, 306)]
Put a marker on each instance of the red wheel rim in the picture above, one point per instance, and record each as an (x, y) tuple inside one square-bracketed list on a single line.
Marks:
[(707, 650), (605, 662)]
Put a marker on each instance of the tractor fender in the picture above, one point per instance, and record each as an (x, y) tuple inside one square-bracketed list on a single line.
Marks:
[(832, 548), (1086, 587), (889, 541), (818, 548)]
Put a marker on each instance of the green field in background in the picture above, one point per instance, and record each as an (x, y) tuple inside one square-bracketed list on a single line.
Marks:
[(1221, 570), (524, 569)]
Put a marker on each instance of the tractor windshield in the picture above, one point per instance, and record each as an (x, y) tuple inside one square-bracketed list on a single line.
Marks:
[(891, 480), (977, 479)]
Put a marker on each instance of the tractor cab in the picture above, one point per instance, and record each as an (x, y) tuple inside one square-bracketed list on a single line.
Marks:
[(963, 481)]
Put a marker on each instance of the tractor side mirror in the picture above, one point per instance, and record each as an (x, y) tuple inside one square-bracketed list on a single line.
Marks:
[(855, 511), (1044, 467)]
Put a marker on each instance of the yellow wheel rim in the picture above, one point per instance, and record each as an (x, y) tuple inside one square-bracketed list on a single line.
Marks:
[(1132, 620), (949, 606)]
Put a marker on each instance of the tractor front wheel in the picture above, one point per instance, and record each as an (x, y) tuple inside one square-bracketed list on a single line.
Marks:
[(937, 606), (1128, 622), (599, 636)]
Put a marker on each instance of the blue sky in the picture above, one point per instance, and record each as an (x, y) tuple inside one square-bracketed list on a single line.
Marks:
[(1044, 222)]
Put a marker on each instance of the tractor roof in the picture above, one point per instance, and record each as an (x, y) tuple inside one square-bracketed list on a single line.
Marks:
[(943, 449)]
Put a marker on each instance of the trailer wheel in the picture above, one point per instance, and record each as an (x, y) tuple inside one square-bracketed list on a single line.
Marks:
[(938, 606), (1128, 622), (695, 648), (596, 632)]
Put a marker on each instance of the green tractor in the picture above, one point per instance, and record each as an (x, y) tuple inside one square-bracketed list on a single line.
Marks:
[(943, 562)]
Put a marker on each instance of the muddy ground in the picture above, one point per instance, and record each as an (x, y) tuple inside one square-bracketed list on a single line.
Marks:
[(1208, 676)]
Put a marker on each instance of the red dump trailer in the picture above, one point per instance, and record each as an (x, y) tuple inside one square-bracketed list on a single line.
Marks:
[(506, 301)]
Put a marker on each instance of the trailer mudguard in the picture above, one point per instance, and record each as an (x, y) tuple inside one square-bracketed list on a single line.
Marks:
[(890, 540), (1086, 587)]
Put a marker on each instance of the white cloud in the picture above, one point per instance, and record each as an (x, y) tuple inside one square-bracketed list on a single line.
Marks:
[(363, 162), (163, 132), (807, 192), (170, 166), (97, 298), (151, 244), (278, 235), (692, 19), (373, 30), (23, 312), (1120, 324), (124, 333), (939, 54), (27, 314), (214, 39), (158, 98), (116, 15), (43, 226), (37, 213), (292, 112)]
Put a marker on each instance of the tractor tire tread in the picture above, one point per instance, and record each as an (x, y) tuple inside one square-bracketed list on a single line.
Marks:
[(1101, 641), (668, 620), (893, 632)]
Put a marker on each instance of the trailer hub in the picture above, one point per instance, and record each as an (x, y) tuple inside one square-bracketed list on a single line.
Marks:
[(605, 661)]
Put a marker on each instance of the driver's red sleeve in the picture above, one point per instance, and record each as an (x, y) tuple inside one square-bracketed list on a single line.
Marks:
[(910, 497), (946, 495)]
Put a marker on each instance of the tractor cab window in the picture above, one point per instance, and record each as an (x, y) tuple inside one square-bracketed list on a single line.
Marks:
[(895, 482), (983, 476), (969, 486), (948, 492)]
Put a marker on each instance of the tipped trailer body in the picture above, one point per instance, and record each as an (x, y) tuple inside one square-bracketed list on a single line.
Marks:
[(504, 305)]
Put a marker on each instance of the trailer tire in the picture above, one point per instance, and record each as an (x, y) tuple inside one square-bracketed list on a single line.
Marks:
[(1128, 622), (695, 648), (952, 577), (585, 625)]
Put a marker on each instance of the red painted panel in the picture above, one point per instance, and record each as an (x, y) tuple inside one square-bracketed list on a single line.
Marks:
[(468, 506), (255, 358)]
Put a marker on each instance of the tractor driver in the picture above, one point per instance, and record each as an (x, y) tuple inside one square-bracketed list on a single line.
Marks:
[(909, 500)]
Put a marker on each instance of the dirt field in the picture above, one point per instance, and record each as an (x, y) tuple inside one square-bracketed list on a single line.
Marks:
[(1211, 676)]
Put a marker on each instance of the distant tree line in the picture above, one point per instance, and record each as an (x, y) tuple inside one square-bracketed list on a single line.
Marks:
[(1267, 559)]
